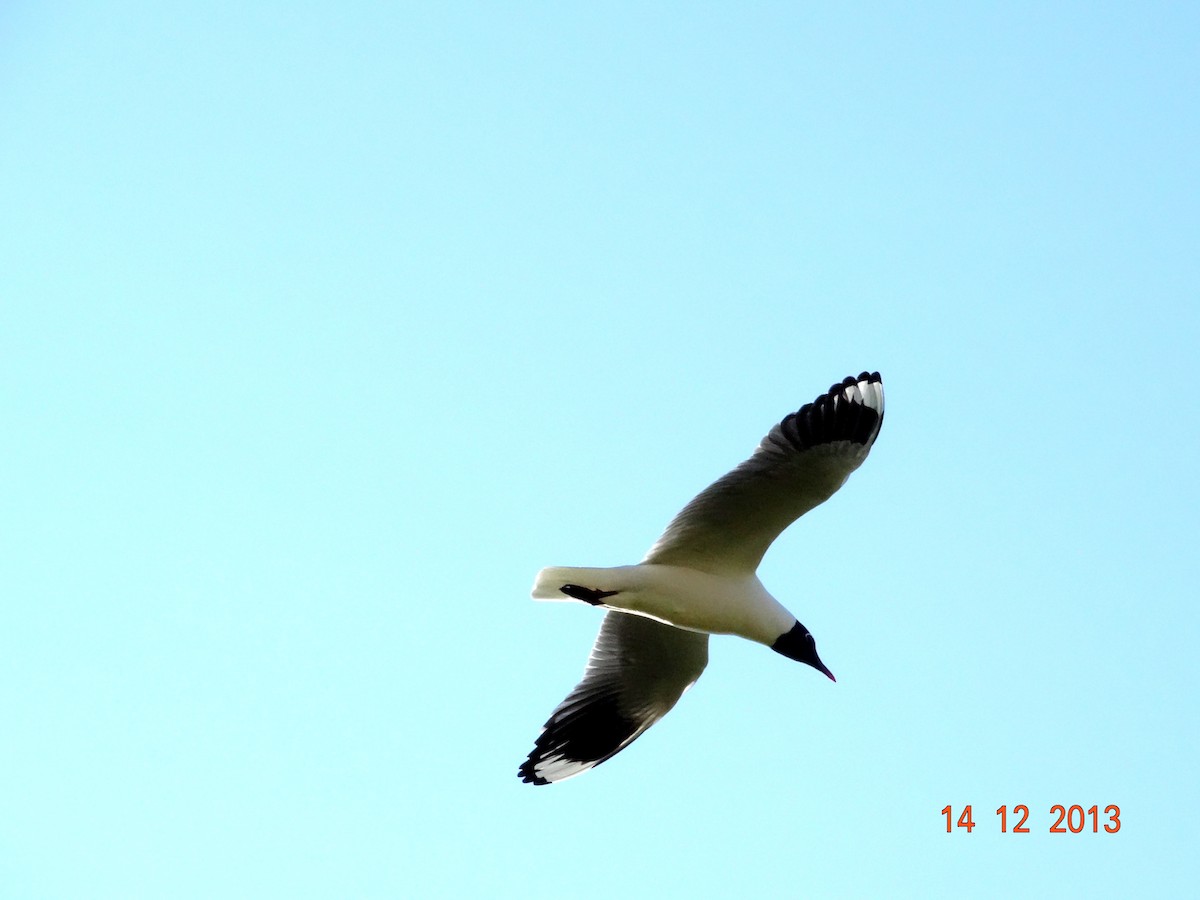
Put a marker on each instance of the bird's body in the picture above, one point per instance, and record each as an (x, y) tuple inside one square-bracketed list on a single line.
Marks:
[(699, 579), (680, 596)]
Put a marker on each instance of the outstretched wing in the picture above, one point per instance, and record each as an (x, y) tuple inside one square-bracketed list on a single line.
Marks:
[(729, 526), (638, 669)]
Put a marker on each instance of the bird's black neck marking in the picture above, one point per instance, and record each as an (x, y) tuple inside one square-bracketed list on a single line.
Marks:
[(587, 595), (798, 644), (794, 644)]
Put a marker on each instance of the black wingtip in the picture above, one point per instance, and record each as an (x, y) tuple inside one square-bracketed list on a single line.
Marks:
[(528, 776), (582, 733), (835, 417)]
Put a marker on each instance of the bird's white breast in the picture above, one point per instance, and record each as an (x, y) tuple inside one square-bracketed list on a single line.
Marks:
[(700, 601)]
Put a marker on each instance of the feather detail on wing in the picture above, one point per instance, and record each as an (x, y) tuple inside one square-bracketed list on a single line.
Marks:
[(637, 671), (799, 465)]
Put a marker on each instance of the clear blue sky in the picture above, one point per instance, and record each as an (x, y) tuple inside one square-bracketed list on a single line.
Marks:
[(325, 326)]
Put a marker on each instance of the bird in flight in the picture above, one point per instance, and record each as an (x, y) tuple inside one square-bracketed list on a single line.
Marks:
[(699, 579)]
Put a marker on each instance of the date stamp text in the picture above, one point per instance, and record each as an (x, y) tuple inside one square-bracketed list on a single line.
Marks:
[(1062, 820)]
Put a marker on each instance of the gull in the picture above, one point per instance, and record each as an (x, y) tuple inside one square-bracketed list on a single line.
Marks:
[(699, 579)]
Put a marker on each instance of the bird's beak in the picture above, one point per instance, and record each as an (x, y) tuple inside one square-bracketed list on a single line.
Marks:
[(822, 668)]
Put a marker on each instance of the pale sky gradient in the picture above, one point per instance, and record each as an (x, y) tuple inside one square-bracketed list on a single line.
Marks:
[(325, 326)]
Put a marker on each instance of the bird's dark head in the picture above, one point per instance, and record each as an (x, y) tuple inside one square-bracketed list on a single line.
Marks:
[(799, 645)]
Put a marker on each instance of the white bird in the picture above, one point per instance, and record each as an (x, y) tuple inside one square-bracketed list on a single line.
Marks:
[(699, 579)]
